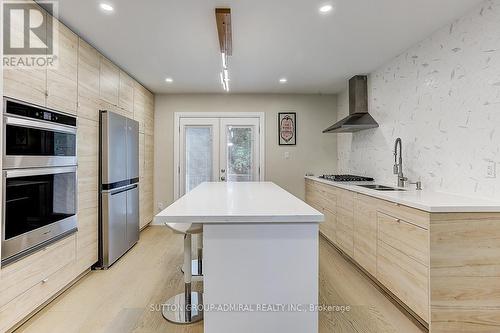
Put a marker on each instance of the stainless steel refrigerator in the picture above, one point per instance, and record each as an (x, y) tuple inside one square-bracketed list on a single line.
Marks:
[(118, 187)]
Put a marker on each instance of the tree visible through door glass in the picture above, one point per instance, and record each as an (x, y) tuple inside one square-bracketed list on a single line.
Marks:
[(239, 154)]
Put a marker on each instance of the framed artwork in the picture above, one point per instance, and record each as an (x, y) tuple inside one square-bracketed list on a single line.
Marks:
[(287, 128)]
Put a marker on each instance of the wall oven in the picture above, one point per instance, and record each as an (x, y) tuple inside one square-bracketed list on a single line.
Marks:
[(37, 137), (39, 179)]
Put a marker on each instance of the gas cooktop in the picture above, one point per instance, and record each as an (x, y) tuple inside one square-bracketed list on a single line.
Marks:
[(346, 178)]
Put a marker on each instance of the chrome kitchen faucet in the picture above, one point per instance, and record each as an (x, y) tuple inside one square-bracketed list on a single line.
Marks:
[(398, 163)]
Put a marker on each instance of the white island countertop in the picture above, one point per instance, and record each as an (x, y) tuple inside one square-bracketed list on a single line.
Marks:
[(242, 202), (429, 201)]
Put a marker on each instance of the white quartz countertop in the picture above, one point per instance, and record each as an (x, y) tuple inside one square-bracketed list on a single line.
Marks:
[(429, 201), (242, 202)]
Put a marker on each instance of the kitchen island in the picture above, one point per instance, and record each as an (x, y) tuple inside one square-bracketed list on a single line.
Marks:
[(260, 257)]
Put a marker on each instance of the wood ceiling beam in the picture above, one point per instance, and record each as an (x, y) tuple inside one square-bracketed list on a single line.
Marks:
[(223, 19)]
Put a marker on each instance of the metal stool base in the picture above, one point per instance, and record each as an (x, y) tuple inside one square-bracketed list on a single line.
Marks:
[(174, 309), (194, 268)]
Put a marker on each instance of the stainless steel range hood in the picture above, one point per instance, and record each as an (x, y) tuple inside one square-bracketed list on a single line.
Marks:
[(358, 118)]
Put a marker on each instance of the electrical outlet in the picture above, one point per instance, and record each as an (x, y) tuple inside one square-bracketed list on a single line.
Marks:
[(287, 155), (491, 169), (160, 206)]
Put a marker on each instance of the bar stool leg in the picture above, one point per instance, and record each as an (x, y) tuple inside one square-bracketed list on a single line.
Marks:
[(185, 308), (197, 264), (200, 254)]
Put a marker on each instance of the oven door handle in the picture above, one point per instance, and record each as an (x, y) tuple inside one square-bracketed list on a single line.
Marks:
[(38, 171), (39, 125)]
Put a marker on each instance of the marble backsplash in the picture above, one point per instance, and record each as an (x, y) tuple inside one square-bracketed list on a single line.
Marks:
[(442, 97)]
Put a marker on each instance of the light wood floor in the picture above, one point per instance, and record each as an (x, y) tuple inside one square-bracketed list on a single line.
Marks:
[(123, 298)]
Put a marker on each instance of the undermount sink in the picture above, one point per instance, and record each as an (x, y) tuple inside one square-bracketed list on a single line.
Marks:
[(381, 187)]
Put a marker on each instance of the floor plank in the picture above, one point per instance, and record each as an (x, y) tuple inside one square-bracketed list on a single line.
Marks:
[(127, 297)]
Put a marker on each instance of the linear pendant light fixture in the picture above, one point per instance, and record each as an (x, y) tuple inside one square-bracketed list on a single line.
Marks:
[(223, 20)]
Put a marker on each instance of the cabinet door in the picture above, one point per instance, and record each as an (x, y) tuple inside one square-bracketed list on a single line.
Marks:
[(149, 114), (147, 182), (139, 105), (109, 81), (329, 226), (88, 151), (126, 94), (62, 78), (345, 221), (404, 277), (365, 233), (26, 83), (409, 239), (88, 81)]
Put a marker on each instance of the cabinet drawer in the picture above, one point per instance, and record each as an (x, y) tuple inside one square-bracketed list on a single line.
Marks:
[(328, 227), (411, 215), (411, 240), (321, 196), (22, 275), (405, 278), (14, 311)]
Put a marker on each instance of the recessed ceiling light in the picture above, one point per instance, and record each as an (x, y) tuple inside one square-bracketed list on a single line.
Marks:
[(169, 80), (106, 7), (325, 9), (283, 80)]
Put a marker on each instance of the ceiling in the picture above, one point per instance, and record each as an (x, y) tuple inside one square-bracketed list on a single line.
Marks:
[(272, 39)]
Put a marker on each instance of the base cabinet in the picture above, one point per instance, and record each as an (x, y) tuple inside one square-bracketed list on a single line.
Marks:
[(388, 241), (32, 281), (443, 267)]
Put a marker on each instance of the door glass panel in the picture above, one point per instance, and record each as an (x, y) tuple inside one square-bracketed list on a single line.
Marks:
[(198, 156), (240, 159)]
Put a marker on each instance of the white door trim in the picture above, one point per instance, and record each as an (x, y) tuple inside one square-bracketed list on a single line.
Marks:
[(177, 128)]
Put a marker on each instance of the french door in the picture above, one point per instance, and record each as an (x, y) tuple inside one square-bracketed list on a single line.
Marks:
[(218, 149)]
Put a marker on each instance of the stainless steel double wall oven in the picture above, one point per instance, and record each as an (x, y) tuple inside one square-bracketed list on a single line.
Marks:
[(39, 178)]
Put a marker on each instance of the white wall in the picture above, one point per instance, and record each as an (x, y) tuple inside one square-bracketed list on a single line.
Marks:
[(442, 97), (315, 152)]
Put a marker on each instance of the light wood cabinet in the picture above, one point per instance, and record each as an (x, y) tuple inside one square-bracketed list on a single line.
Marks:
[(11, 313), (406, 278), (345, 221), (443, 267), (139, 105), (88, 159), (18, 277), (329, 226), (62, 92), (146, 206), (88, 81), (324, 199), (365, 233), (54, 86), (109, 81), (27, 83), (126, 94), (387, 240), (409, 239)]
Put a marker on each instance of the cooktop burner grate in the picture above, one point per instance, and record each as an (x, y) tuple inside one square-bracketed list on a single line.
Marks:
[(346, 178)]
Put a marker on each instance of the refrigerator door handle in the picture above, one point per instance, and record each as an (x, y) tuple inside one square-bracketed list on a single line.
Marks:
[(122, 189)]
